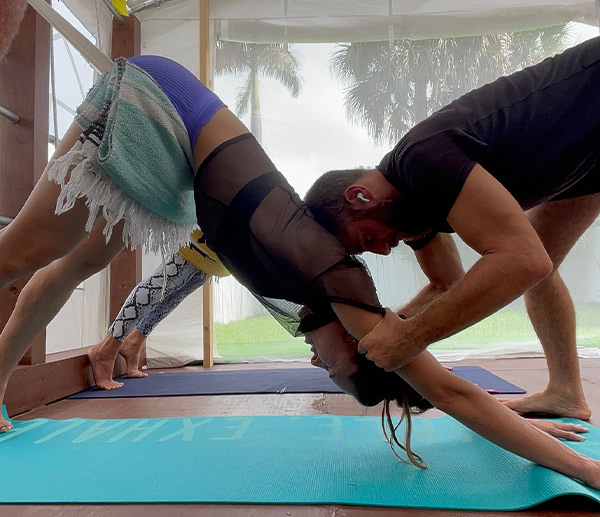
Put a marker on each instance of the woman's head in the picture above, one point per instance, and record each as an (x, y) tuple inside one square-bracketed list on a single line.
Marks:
[(335, 350)]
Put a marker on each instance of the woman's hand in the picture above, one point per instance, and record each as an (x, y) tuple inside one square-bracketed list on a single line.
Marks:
[(389, 344), (562, 430)]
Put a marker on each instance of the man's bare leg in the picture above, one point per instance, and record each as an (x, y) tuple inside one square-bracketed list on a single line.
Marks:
[(103, 355), (552, 314), (551, 311)]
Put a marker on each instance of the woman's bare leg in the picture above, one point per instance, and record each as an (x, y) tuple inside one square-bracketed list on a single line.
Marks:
[(131, 351), (37, 237), (103, 355), (102, 358), (46, 293)]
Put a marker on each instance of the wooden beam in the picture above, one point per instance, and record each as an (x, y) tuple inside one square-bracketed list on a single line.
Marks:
[(24, 77), (204, 31), (61, 375), (126, 268), (207, 289), (208, 326), (126, 38)]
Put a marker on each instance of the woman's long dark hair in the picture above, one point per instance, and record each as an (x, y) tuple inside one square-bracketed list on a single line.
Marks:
[(373, 385)]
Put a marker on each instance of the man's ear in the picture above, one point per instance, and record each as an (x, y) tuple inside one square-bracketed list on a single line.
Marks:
[(358, 196)]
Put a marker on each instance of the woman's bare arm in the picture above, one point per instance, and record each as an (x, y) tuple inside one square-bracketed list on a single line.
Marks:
[(483, 414)]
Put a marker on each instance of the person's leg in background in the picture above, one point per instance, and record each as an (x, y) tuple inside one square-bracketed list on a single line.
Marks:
[(142, 311)]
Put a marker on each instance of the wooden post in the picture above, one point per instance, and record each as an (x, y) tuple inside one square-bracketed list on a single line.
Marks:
[(126, 268), (207, 289), (208, 327), (24, 77)]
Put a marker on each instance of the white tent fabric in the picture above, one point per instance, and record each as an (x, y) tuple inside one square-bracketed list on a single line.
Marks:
[(314, 21), (96, 18), (370, 20)]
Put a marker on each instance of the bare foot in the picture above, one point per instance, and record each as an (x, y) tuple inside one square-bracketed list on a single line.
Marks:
[(5, 425), (131, 351), (102, 360), (547, 404)]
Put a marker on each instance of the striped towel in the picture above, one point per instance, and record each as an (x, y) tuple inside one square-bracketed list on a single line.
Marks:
[(133, 160)]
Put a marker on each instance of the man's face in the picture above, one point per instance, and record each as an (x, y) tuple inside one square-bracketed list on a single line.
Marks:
[(335, 350), (370, 234)]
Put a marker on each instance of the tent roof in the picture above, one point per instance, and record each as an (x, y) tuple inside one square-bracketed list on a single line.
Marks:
[(307, 21)]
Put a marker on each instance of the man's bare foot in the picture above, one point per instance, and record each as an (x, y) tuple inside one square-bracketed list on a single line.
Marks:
[(547, 404), (102, 360), (131, 351)]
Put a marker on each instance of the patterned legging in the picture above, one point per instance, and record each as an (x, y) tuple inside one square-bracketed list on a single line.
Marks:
[(144, 308)]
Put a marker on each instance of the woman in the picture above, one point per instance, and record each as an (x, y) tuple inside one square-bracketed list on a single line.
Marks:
[(425, 383), (126, 166)]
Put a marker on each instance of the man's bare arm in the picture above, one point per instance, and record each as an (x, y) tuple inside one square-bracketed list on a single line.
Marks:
[(512, 261), (440, 262)]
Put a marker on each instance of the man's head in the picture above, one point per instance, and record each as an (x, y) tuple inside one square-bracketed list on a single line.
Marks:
[(362, 209)]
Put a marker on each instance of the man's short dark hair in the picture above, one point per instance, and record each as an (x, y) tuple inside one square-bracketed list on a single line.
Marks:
[(326, 198)]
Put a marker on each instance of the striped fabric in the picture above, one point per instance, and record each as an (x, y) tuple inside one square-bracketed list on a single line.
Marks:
[(133, 159)]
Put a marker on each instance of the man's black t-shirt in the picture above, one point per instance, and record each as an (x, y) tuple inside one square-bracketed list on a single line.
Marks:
[(536, 131)]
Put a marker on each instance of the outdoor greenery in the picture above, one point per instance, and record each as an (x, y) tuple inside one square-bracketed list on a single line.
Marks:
[(391, 87), (254, 60), (263, 337)]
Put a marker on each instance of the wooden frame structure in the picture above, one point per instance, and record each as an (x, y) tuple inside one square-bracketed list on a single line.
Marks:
[(24, 77)]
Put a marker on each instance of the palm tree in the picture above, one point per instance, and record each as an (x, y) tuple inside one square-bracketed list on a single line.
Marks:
[(391, 87), (270, 60)]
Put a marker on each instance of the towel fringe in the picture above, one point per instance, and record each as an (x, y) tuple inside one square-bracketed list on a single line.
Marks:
[(87, 180)]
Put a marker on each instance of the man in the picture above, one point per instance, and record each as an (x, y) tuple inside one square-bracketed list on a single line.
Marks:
[(512, 168)]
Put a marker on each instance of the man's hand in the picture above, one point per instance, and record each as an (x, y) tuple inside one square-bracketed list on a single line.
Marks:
[(389, 344)]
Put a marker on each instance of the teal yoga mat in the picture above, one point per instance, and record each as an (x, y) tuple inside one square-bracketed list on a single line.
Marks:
[(321, 459)]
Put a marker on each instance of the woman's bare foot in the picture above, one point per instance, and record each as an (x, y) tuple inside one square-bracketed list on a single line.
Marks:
[(5, 425), (547, 404), (102, 360), (131, 350)]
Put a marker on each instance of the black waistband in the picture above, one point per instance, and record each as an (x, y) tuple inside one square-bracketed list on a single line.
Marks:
[(219, 148)]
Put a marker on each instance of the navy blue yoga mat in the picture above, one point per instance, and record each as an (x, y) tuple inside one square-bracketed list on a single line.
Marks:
[(291, 380), (318, 459)]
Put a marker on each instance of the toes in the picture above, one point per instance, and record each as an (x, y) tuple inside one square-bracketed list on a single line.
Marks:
[(137, 374), (112, 385)]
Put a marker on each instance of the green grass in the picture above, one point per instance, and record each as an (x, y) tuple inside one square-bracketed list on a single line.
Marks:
[(263, 338)]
